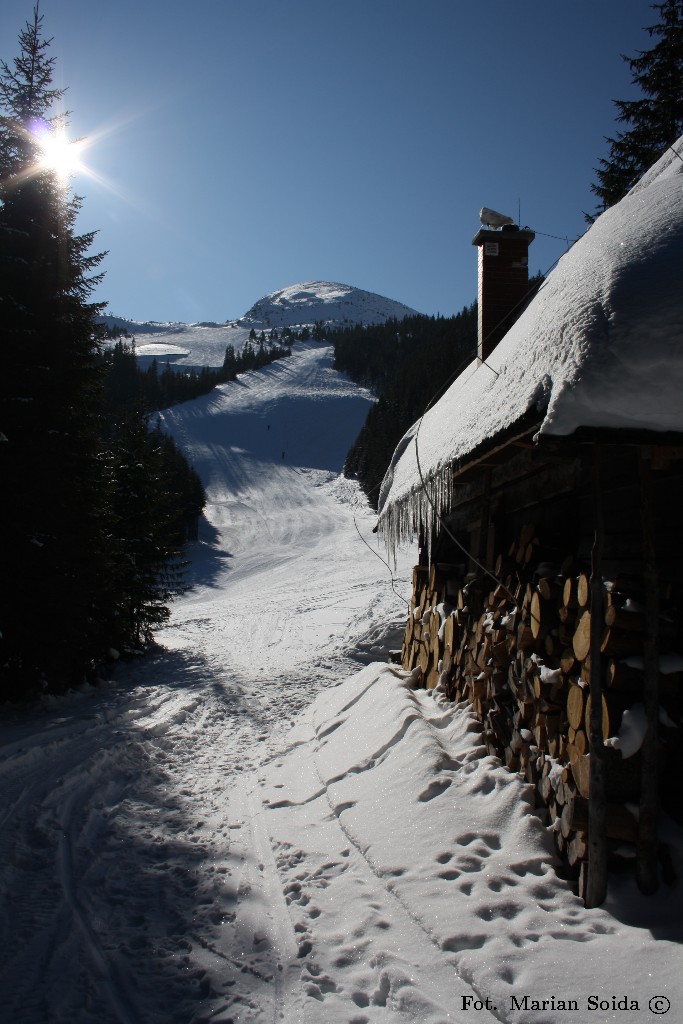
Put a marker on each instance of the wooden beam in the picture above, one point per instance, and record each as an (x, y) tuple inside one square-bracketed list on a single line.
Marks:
[(646, 847), (596, 881), (484, 516), (506, 446)]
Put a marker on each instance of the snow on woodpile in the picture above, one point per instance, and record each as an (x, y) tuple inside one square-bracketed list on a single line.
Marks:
[(600, 346)]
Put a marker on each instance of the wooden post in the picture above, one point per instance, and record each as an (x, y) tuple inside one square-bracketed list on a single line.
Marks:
[(596, 881), (485, 516), (646, 848)]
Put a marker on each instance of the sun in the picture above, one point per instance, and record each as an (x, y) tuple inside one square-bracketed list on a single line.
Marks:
[(58, 153)]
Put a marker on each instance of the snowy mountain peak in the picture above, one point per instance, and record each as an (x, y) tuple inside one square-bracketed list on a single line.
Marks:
[(327, 301), (204, 344)]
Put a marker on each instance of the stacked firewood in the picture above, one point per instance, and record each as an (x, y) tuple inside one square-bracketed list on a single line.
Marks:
[(515, 646)]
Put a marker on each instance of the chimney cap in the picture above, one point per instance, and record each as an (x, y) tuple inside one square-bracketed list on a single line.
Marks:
[(512, 234)]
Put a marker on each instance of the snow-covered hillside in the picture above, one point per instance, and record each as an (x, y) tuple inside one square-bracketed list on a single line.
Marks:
[(245, 829), (331, 303), (300, 305)]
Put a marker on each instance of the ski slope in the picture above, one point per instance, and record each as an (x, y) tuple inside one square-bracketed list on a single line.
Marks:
[(263, 822), (279, 575)]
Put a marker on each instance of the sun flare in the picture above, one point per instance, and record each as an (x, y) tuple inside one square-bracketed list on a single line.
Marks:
[(59, 154)]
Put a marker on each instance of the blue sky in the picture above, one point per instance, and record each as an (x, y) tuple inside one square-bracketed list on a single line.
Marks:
[(241, 146)]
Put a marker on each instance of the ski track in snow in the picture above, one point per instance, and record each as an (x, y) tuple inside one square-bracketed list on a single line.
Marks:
[(235, 831), (138, 882)]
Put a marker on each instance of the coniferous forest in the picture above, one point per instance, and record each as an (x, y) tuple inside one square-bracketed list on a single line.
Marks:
[(96, 505), (407, 364)]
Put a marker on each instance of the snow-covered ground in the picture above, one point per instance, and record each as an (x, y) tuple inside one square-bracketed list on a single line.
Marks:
[(259, 823), (183, 345)]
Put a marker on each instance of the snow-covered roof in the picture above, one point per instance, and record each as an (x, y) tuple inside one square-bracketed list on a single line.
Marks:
[(600, 346)]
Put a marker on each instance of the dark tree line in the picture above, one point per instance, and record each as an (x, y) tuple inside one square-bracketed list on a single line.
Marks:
[(654, 121), (95, 505), (405, 363)]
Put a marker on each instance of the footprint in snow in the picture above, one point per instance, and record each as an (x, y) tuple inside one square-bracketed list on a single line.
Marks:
[(312, 990), (508, 911), (529, 867), (459, 942), (543, 892), (498, 884), (434, 789), (489, 839), (470, 863), (521, 940)]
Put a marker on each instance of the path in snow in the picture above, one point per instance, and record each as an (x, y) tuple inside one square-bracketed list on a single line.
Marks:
[(128, 847)]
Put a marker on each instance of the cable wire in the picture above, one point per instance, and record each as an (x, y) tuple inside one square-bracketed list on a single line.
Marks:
[(384, 562)]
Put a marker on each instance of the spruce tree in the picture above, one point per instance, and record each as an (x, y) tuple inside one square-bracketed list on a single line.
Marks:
[(149, 521), (56, 597), (655, 119)]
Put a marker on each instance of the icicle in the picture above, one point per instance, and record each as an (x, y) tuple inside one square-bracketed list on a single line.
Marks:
[(417, 511)]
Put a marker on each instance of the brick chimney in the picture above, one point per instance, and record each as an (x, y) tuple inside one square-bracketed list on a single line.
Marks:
[(503, 281)]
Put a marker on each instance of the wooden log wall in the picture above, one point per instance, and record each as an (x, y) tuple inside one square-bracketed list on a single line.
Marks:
[(517, 651)]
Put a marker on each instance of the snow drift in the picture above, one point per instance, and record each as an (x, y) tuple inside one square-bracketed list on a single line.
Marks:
[(394, 829)]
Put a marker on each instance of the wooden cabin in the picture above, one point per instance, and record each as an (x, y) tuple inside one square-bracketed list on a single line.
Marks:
[(545, 491)]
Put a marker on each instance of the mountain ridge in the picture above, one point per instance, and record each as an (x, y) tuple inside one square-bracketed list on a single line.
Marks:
[(314, 297), (328, 302), (297, 306)]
